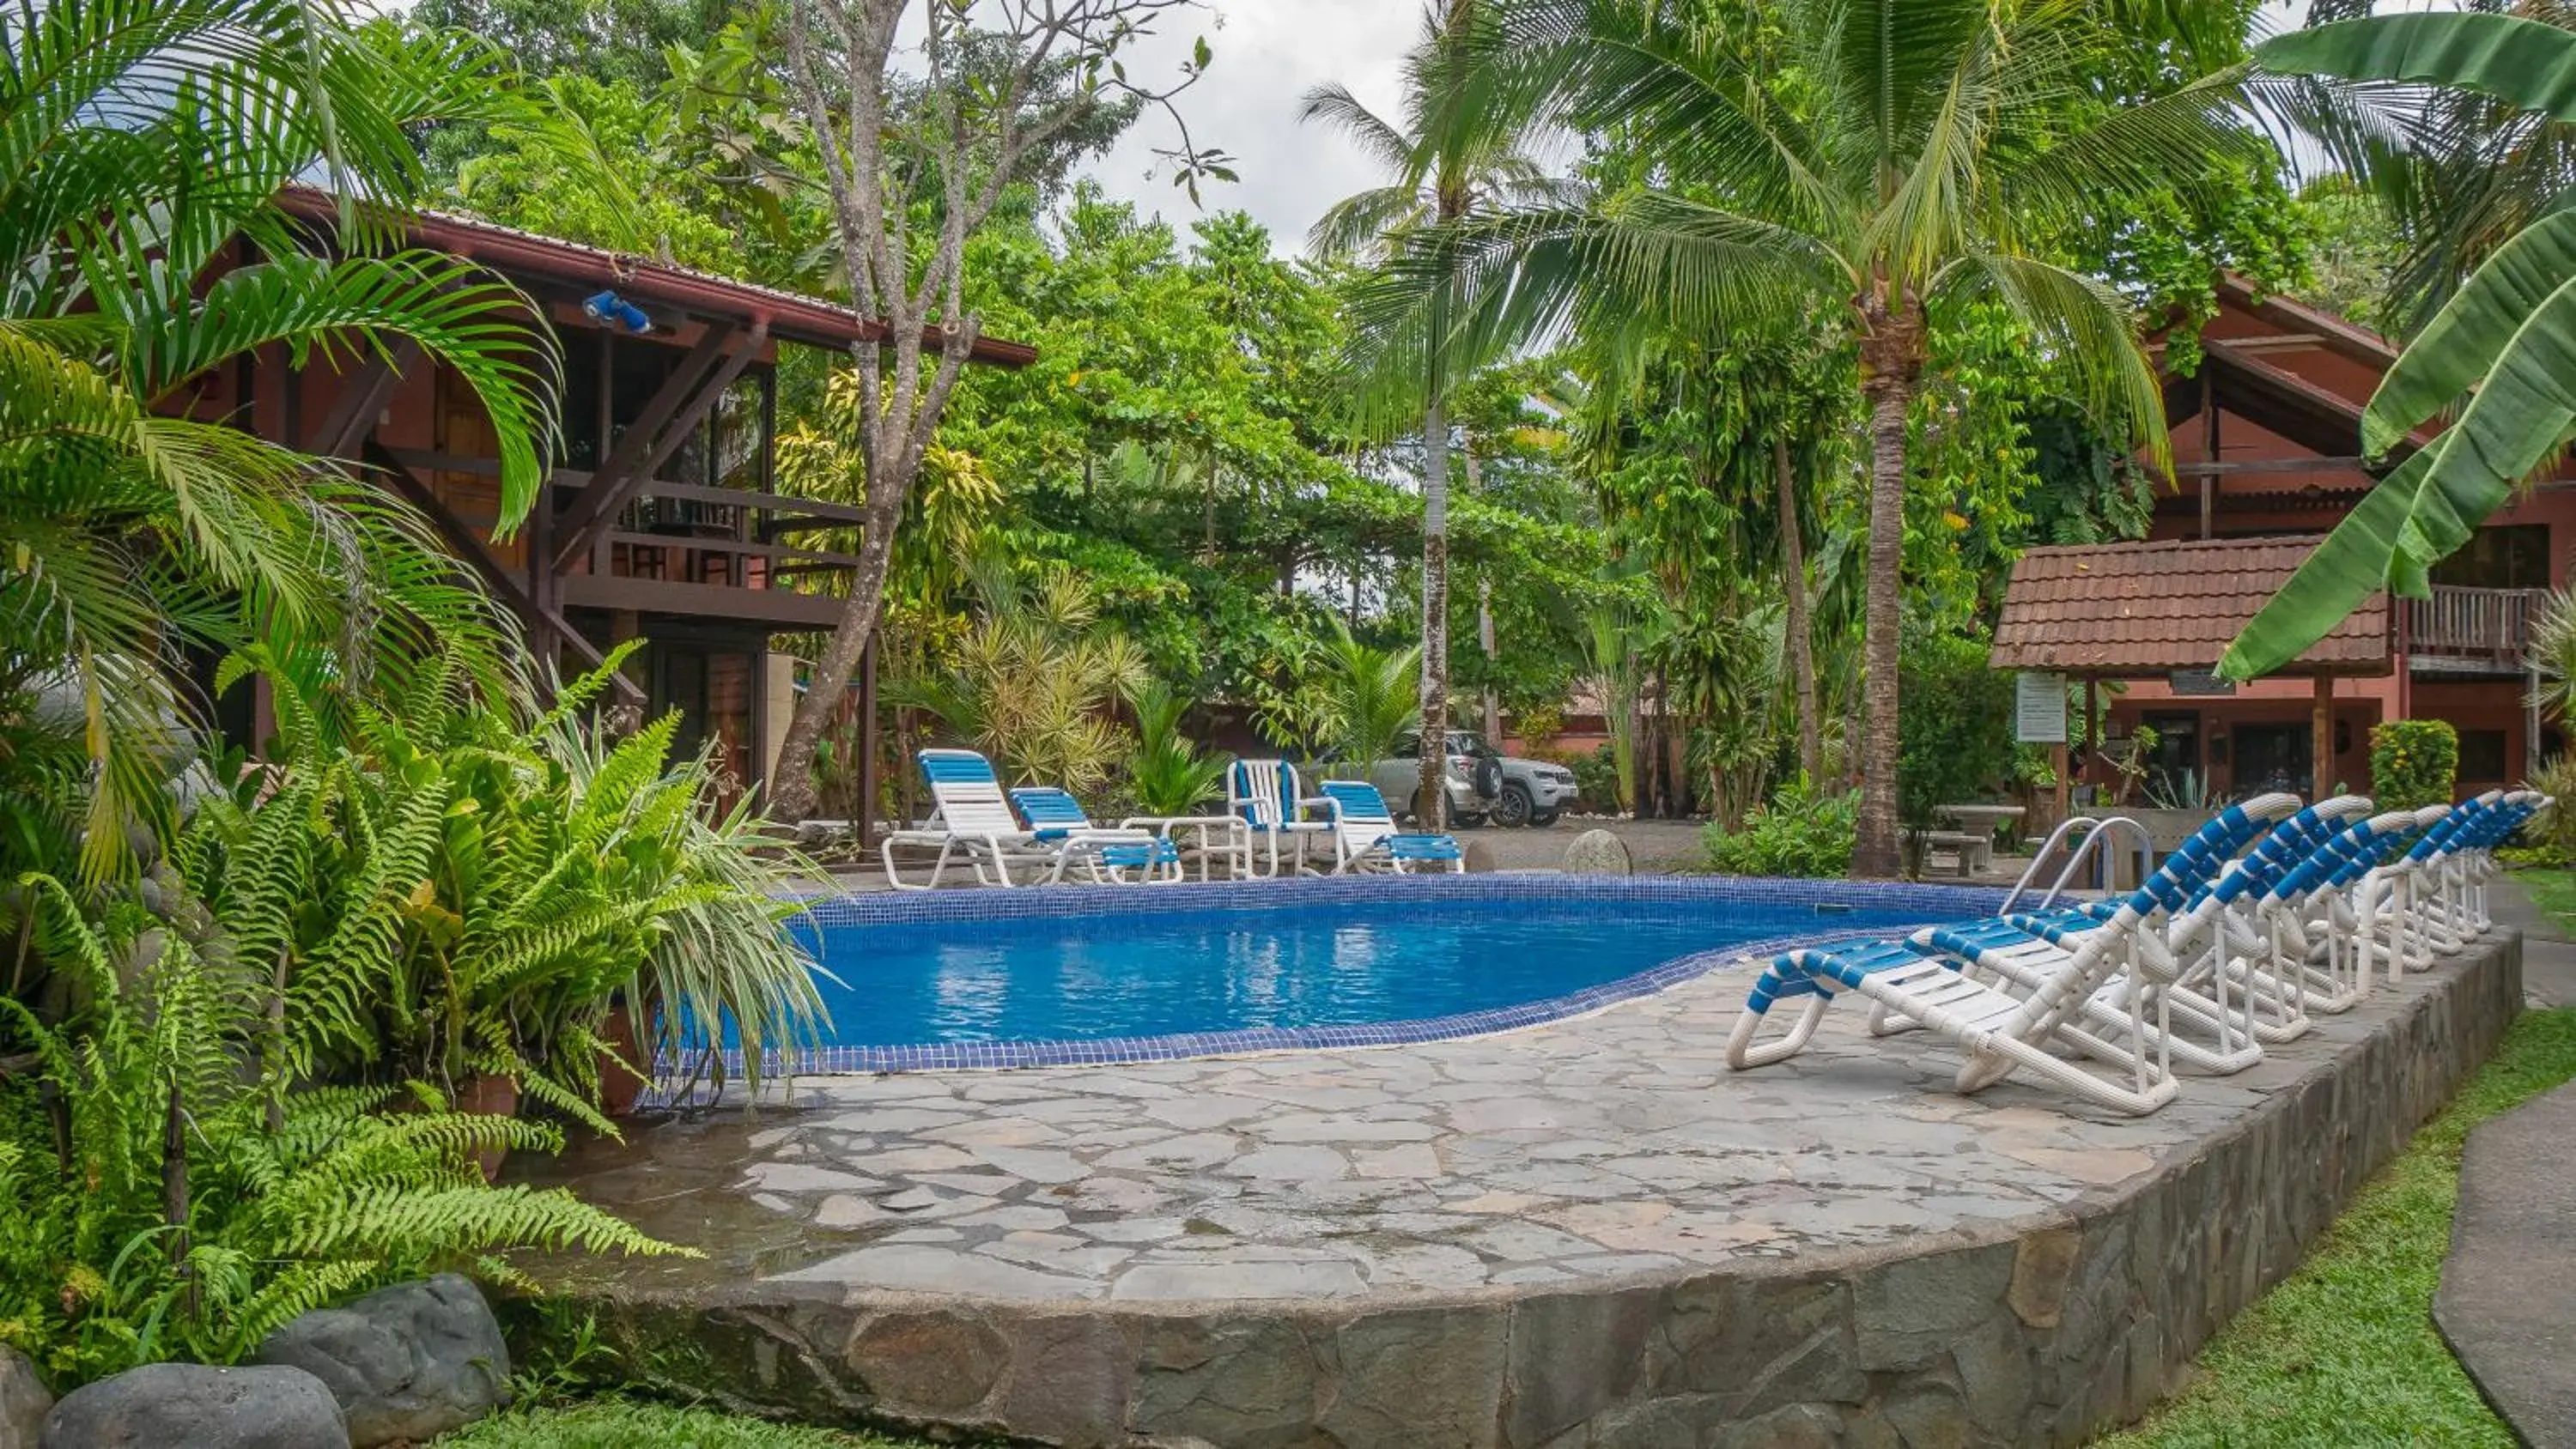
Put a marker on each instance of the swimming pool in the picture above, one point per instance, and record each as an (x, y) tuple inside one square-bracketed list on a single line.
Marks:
[(1030, 977)]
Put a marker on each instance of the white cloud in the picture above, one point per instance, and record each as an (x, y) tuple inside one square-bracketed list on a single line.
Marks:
[(1269, 53)]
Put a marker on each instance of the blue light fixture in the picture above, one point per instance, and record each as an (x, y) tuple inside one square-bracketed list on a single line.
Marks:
[(611, 310)]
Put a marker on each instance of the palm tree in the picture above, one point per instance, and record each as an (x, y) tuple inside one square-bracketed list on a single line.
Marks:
[(1446, 170), (143, 144), (2499, 341), (1365, 699), (1931, 143)]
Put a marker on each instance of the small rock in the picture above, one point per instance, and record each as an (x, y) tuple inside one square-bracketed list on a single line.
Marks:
[(1598, 852), (405, 1363), (23, 1401), (164, 1405), (1480, 858)]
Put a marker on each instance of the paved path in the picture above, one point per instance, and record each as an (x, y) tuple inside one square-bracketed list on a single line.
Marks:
[(1603, 1146), (2548, 957), (2507, 1304)]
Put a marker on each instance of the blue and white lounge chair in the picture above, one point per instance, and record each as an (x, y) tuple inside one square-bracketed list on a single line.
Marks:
[(2003, 1030), (2213, 1014), (1107, 853), (1365, 836), (1274, 810), (972, 823)]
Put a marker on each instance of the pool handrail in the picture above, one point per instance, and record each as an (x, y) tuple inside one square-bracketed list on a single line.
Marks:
[(2098, 830)]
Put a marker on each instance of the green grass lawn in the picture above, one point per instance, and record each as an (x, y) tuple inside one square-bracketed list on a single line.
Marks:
[(2344, 1351), (2552, 889)]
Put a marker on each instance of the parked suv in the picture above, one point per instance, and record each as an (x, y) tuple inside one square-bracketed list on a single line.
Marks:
[(1483, 783)]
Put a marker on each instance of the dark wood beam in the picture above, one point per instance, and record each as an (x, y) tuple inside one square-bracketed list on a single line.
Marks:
[(779, 552), (775, 609), (603, 509), (472, 551), (2265, 465), (627, 458), (363, 395)]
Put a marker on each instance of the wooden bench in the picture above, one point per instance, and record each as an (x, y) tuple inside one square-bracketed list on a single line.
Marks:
[(1973, 852)]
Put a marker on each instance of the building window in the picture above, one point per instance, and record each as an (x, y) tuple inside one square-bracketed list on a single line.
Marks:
[(2482, 756), (2513, 557)]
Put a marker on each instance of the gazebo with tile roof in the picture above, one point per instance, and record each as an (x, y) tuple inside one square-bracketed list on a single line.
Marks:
[(2152, 610)]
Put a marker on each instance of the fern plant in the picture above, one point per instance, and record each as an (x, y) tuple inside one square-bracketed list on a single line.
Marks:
[(1166, 772), (163, 1192), (441, 889)]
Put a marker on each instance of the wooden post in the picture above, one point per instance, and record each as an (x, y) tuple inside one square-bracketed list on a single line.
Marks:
[(2209, 451), (2093, 724), (2321, 738)]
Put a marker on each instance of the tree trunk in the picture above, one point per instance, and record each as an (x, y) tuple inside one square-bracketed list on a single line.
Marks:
[(1793, 587), (1493, 713), (791, 785), (1485, 640), (1891, 360), (1432, 794)]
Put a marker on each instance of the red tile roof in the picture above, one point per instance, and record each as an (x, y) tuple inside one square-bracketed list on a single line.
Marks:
[(2139, 609)]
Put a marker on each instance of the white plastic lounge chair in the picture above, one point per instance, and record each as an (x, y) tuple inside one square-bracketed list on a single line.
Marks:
[(973, 823), (2215, 1019), (1365, 837), (2004, 1032), (1266, 794), (1106, 853)]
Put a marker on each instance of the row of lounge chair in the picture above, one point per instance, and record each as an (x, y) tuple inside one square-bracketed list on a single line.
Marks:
[(2271, 915), (1040, 834)]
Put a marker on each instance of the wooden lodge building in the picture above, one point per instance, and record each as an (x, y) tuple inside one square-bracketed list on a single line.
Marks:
[(2264, 436), (660, 517)]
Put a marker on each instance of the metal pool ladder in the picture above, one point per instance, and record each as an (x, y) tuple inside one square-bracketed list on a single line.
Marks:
[(2097, 834)]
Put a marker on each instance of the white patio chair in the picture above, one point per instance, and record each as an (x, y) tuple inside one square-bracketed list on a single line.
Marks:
[(1365, 837), (973, 824), (1265, 794)]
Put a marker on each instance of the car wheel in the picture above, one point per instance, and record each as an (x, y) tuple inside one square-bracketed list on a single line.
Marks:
[(1514, 809), (1470, 820)]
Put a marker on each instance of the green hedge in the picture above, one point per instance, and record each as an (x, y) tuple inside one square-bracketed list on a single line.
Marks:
[(2414, 763)]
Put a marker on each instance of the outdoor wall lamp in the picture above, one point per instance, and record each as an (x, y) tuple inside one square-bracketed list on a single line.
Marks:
[(611, 310)]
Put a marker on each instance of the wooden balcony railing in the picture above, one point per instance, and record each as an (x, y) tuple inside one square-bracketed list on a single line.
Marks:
[(2475, 628)]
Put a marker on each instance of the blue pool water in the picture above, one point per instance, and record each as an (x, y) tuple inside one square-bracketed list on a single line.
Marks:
[(1121, 975)]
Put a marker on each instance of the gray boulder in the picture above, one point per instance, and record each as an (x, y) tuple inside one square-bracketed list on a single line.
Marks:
[(164, 1405), (1598, 852), (407, 1362), (23, 1401)]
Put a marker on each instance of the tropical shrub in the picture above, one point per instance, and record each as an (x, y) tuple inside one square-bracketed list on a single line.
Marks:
[(1032, 680), (1166, 773), (1956, 729), (2553, 830), (449, 890), (169, 1189), (1600, 779), (2414, 763), (1352, 701), (1800, 831)]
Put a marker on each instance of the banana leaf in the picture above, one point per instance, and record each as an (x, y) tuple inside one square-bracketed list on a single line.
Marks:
[(2524, 62), (2353, 563), (2468, 338)]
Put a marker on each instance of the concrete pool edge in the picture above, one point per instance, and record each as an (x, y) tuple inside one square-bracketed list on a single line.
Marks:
[(1060, 902), (2042, 1329)]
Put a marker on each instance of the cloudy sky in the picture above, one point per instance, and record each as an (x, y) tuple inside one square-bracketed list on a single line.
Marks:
[(1268, 54)]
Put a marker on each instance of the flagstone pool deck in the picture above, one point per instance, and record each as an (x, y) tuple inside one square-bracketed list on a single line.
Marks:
[(1586, 1233)]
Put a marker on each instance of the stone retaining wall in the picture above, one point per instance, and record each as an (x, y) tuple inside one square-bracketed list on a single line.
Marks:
[(2038, 1332)]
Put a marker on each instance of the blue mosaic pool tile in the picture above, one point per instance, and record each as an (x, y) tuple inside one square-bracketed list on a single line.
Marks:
[(1830, 897)]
